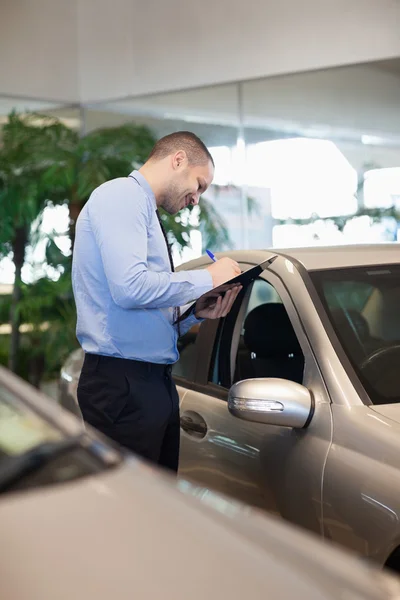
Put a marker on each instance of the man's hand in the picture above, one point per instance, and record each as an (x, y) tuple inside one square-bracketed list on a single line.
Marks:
[(219, 308), (223, 270)]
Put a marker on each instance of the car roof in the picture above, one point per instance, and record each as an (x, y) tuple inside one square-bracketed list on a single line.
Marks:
[(336, 257), (317, 257)]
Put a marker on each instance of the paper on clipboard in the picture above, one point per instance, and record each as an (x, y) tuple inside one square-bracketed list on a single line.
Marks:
[(244, 279)]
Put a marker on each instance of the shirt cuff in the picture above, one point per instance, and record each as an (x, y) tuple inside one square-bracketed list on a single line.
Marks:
[(192, 320), (188, 323), (193, 317)]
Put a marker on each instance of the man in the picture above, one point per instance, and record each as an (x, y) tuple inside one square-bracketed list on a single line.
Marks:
[(128, 297)]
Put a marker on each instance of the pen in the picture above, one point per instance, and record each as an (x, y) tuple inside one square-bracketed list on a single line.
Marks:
[(211, 255)]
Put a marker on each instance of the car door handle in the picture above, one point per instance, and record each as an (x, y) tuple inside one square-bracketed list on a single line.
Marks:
[(194, 425)]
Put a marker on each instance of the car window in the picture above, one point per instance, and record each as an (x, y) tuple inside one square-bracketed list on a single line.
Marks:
[(71, 466), (267, 344), (21, 429), (262, 293), (351, 295), (23, 432), (185, 367), (362, 304)]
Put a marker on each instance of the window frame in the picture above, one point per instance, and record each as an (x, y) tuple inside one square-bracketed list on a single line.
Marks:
[(311, 369), (206, 340), (204, 348)]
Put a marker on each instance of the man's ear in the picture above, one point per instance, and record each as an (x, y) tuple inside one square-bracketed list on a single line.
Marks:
[(179, 159)]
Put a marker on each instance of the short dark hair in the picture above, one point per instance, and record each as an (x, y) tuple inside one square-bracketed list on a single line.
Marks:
[(196, 151)]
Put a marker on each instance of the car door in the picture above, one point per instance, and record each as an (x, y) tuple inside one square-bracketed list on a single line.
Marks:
[(276, 468)]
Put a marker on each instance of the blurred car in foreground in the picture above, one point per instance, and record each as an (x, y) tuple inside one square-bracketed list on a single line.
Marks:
[(81, 520), (68, 382), (292, 402)]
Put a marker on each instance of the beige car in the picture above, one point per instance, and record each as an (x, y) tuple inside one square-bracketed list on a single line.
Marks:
[(80, 520), (292, 403)]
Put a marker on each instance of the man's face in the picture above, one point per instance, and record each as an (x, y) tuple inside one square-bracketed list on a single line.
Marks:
[(186, 185)]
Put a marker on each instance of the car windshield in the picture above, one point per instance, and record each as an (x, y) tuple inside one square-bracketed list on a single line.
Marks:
[(21, 429), (363, 306), (36, 453)]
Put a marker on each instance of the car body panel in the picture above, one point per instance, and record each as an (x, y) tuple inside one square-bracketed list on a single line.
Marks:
[(362, 483), (390, 411), (275, 468)]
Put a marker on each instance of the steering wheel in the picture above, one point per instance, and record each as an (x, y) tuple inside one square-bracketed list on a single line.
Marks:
[(382, 369)]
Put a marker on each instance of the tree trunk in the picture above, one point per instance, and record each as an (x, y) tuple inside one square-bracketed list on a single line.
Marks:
[(36, 370), (19, 244)]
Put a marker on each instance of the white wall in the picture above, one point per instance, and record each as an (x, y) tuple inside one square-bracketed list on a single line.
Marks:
[(96, 49), (131, 47), (39, 49), (107, 47)]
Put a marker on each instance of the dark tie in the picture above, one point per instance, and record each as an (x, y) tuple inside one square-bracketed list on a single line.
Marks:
[(171, 262)]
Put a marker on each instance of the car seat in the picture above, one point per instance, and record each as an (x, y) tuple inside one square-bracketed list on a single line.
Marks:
[(269, 346)]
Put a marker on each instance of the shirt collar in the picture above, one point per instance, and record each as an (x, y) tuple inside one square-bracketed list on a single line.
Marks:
[(142, 181)]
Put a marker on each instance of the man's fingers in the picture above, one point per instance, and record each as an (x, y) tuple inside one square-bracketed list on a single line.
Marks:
[(223, 304), (228, 304), (227, 301), (217, 306), (231, 300)]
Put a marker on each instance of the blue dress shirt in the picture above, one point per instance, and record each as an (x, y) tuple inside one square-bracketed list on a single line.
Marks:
[(124, 289)]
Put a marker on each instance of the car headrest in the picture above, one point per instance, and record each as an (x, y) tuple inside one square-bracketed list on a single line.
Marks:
[(269, 333)]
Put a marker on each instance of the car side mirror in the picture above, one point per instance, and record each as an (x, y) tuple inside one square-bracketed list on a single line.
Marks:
[(272, 401)]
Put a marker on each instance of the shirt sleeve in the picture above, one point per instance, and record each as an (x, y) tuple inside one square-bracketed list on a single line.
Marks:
[(120, 216), (191, 320)]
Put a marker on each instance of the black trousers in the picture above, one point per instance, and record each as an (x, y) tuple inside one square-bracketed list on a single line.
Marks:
[(134, 403)]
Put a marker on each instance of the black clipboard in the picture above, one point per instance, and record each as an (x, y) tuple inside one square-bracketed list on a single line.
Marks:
[(244, 279)]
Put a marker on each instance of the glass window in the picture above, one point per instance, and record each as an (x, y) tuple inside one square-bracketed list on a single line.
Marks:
[(310, 138), (348, 295), (72, 465), (363, 306), (34, 452), (262, 293), (267, 344), (20, 429)]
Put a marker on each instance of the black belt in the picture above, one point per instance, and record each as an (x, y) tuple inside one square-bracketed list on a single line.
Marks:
[(137, 365)]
